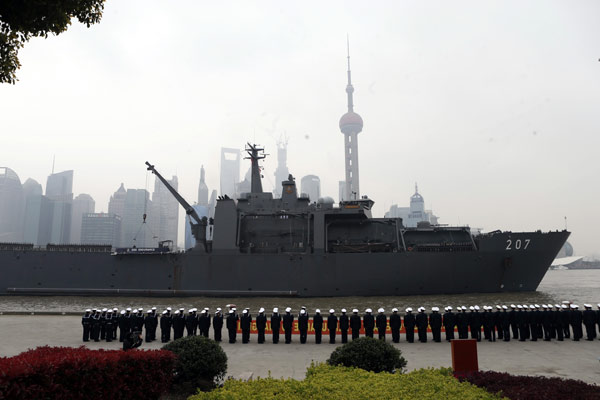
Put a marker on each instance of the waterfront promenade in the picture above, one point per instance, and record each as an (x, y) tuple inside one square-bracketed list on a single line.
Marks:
[(568, 359)]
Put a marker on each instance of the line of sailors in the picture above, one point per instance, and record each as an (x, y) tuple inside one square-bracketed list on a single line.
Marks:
[(522, 322)]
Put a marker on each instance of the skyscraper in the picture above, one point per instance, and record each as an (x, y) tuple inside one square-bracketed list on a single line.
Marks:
[(230, 172), (281, 172), (37, 222), (82, 204), (116, 204), (101, 228), (165, 211), (59, 189), (351, 125), (311, 185), (11, 206), (413, 214), (202, 189)]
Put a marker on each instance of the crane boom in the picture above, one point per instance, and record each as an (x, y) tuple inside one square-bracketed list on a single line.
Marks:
[(189, 210)]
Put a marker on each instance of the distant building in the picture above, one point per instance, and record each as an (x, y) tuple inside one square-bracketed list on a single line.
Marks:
[(244, 186), (342, 191), (59, 189), (202, 189), (37, 220), (311, 185), (82, 204), (281, 172), (11, 206), (101, 228), (116, 204), (190, 241), (414, 214), (135, 229), (230, 172), (165, 211)]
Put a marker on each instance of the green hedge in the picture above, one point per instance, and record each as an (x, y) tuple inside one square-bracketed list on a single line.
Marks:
[(337, 382), (370, 354)]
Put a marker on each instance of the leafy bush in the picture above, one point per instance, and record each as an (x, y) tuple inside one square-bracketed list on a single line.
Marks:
[(201, 363), (370, 354), (81, 373), (518, 387), (332, 383)]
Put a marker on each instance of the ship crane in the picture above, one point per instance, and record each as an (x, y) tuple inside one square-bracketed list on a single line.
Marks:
[(199, 226)]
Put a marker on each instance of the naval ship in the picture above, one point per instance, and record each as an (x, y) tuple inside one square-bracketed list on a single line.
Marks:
[(258, 245)]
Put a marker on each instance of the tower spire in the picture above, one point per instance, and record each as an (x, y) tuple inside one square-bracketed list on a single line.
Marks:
[(349, 87)]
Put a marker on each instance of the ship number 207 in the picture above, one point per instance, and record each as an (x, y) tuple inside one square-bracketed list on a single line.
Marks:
[(518, 244)]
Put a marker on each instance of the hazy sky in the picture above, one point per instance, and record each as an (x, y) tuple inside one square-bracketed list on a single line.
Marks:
[(492, 107)]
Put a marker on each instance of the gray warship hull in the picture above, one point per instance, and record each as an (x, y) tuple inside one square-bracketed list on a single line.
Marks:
[(500, 262)]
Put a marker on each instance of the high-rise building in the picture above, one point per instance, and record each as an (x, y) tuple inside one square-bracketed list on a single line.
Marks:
[(311, 185), (136, 226), (165, 211), (116, 204), (101, 228), (82, 204), (413, 214), (11, 206), (351, 125), (230, 172), (37, 222), (202, 189), (59, 189), (281, 172), (342, 190)]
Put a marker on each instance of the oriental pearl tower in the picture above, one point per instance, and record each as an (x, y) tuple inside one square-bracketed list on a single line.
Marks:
[(351, 125)]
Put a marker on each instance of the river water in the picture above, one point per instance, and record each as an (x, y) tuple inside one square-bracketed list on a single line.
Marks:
[(578, 286)]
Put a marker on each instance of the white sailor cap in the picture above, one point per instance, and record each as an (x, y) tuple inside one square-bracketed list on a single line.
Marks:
[(576, 306), (513, 306), (115, 309), (128, 308), (104, 310), (476, 308), (587, 305), (206, 308), (498, 307), (471, 308), (148, 311), (135, 310), (464, 308), (354, 310), (381, 310), (218, 308), (275, 310), (546, 306), (88, 310), (504, 307), (288, 309), (243, 312), (485, 308), (394, 309), (344, 310), (555, 306), (435, 309), (153, 308), (194, 309), (176, 312), (231, 311), (303, 311), (234, 309), (318, 311), (331, 311), (261, 310), (598, 305), (303, 307), (368, 310), (525, 306), (408, 309), (532, 307), (520, 307), (564, 306), (566, 302), (168, 308), (421, 309), (181, 309), (191, 310), (122, 312), (449, 308), (537, 306), (164, 312), (204, 312)]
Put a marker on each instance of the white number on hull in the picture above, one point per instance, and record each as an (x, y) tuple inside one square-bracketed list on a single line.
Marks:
[(518, 244)]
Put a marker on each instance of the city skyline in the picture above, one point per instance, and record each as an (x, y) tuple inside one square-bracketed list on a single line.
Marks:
[(494, 111)]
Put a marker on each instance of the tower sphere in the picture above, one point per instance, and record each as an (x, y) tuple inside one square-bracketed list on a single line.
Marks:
[(351, 122)]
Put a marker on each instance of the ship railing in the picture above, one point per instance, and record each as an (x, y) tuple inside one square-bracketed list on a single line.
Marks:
[(362, 247), (16, 246), (441, 247)]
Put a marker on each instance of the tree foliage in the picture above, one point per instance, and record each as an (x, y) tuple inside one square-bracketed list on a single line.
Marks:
[(369, 354), (20, 20)]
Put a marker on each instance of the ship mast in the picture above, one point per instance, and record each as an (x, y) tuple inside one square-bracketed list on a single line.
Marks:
[(254, 154)]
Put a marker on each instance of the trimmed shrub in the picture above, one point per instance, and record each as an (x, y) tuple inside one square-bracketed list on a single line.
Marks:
[(332, 383), (518, 387), (201, 363), (81, 373), (369, 354)]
